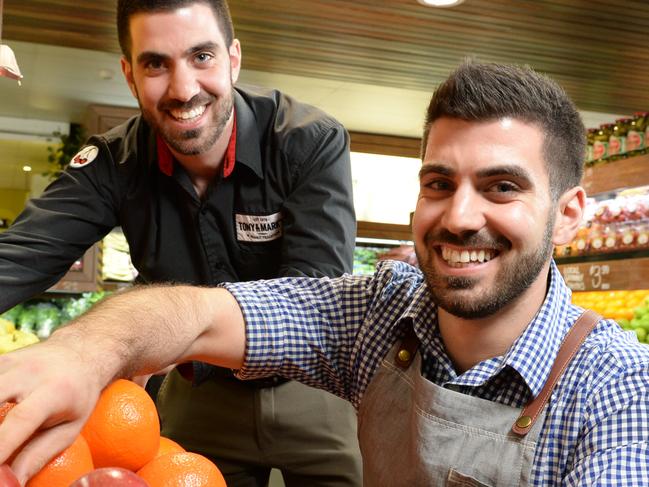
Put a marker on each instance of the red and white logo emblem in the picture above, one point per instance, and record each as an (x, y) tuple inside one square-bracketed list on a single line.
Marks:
[(85, 156)]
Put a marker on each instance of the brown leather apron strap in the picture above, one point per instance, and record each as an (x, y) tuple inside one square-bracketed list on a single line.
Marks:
[(407, 349), (571, 343)]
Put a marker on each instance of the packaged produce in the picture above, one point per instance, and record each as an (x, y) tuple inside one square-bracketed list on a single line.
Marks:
[(615, 141), (635, 137), (600, 145), (630, 308), (12, 338)]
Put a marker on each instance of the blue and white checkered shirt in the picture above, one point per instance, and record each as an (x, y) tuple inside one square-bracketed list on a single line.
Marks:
[(332, 333)]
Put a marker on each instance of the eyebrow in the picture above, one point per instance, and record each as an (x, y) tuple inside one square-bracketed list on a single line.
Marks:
[(435, 168), (148, 56), (511, 170)]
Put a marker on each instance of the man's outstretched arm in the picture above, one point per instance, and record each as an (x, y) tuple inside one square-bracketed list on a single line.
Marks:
[(57, 383)]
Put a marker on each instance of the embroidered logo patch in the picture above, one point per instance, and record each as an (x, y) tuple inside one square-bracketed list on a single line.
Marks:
[(258, 228), (85, 156)]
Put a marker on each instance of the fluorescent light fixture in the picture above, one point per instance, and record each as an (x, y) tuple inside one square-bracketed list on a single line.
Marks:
[(27, 168), (441, 3)]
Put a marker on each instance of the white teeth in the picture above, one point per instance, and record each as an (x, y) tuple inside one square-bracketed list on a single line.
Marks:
[(193, 113), (456, 257)]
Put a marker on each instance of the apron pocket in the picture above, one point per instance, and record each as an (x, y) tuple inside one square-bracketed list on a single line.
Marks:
[(457, 479)]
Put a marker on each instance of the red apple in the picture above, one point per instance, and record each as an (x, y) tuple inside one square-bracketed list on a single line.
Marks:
[(110, 477), (7, 477)]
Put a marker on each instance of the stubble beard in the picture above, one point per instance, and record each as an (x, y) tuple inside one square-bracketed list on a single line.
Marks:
[(195, 141), (452, 293)]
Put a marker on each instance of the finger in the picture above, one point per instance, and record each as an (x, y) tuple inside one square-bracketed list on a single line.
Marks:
[(14, 431), (33, 412), (141, 380), (43, 447)]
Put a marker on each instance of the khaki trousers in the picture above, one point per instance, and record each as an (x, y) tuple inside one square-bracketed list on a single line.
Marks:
[(308, 434)]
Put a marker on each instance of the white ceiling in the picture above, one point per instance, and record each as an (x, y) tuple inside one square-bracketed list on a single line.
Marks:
[(60, 82)]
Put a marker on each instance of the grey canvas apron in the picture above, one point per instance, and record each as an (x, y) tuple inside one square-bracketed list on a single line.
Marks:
[(415, 433)]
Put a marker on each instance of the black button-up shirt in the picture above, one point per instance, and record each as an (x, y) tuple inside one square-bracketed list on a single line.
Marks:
[(286, 209)]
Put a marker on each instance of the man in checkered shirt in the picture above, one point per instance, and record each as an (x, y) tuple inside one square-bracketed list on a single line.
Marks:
[(439, 362)]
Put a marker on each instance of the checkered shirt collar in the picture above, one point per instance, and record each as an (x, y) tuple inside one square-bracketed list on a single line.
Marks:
[(531, 355)]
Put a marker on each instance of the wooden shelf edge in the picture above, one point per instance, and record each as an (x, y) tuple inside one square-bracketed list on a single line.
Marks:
[(614, 175), (389, 231)]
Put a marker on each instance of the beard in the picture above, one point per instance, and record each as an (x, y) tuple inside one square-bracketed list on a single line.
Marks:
[(195, 141), (452, 293)]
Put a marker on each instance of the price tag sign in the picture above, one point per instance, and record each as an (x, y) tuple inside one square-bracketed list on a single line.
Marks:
[(587, 277), (606, 275), (597, 274)]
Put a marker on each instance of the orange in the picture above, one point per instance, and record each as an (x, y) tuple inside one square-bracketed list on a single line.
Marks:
[(72, 463), (5, 407), (123, 430), (168, 446), (180, 470)]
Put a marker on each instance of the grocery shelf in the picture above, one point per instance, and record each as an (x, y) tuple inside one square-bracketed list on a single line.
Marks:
[(631, 254), (613, 270), (389, 231), (614, 175)]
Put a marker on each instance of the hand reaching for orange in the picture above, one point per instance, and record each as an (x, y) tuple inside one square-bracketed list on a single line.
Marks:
[(123, 431)]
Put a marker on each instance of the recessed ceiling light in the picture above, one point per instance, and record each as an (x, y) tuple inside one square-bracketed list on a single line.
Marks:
[(27, 168), (441, 3)]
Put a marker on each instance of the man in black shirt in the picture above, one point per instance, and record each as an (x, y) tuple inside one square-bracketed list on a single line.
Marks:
[(210, 184)]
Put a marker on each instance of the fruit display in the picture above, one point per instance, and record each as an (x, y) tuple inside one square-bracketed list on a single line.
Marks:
[(13, 339), (110, 477), (120, 444), (366, 258), (616, 224), (629, 308), (183, 468), (41, 317)]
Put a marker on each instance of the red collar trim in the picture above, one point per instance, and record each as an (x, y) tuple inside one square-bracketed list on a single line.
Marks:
[(230, 152), (166, 158)]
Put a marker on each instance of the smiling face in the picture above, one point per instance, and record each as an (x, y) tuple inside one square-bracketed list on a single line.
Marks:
[(182, 73), (484, 221)]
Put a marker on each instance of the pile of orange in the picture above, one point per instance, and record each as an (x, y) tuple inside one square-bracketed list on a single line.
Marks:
[(617, 305), (124, 431)]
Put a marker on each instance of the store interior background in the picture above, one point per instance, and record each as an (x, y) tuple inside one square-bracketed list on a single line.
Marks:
[(372, 64)]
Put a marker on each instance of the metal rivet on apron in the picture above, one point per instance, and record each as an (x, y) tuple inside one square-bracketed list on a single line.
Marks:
[(524, 422), (404, 356)]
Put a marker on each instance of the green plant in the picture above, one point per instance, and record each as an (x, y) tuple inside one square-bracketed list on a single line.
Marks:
[(60, 155)]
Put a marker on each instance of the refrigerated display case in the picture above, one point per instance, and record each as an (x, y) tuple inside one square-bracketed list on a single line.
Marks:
[(599, 259)]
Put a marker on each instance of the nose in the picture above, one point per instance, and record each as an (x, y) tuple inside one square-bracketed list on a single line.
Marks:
[(464, 211), (183, 85)]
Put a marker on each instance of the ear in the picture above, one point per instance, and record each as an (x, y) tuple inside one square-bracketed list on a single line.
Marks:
[(570, 210), (235, 59), (127, 70)]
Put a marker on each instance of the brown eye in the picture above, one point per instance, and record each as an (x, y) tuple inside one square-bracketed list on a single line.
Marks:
[(503, 187)]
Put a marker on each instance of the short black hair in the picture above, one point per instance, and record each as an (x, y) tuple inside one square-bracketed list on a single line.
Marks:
[(482, 92), (127, 8)]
